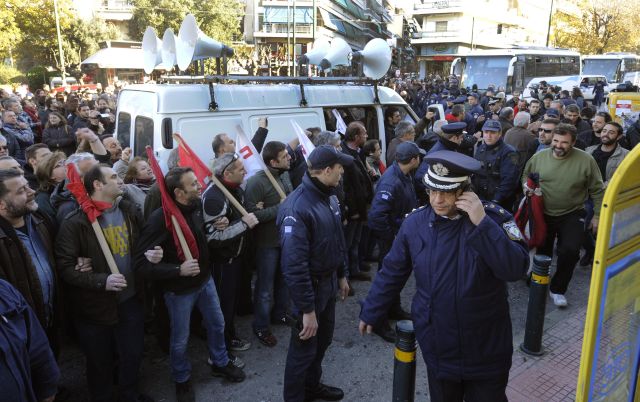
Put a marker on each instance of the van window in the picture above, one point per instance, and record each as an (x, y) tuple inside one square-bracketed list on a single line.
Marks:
[(124, 129), (365, 114), (143, 135)]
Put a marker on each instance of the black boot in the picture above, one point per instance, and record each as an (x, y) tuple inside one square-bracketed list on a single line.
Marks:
[(324, 393)]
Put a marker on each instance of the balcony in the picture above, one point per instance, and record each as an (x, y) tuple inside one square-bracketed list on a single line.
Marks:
[(279, 30), (426, 37), (438, 7), (115, 10)]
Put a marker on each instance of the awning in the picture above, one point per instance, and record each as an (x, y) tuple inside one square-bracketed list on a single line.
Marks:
[(337, 24), (117, 57), (278, 15)]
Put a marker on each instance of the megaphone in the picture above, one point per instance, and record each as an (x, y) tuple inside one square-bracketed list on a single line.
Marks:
[(168, 49), (338, 54), (320, 48), (151, 46), (192, 44), (375, 58)]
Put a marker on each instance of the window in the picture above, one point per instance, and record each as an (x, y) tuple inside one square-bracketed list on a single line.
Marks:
[(441, 26), (124, 129), (143, 135), (366, 115)]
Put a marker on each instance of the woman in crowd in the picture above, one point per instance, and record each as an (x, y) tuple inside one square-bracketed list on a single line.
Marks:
[(577, 96), (50, 172), (140, 174), (375, 166), (58, 135)]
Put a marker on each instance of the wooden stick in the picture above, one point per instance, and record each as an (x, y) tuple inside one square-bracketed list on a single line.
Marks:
[(229, 196), (105, 247), (274, 183), (183, 242)]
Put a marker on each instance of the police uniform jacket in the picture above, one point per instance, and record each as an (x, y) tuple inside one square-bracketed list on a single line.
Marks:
[(460, 309), (312, 241), (395, 197), (502, 173)]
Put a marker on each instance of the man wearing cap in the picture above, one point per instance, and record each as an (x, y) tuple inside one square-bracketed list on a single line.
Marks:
[(313, 263), (548, 114), (475, 114), (462, 252), (395, 197)]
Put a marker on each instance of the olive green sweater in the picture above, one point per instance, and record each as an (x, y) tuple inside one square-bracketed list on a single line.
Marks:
[(566, 183)]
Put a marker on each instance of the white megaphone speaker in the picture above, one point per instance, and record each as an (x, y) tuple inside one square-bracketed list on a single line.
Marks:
[(168, 49), (151, 47), (375, 58), (320, 48), (192, 44), (338, 54)]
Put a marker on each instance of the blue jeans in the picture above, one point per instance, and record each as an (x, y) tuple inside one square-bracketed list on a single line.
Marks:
[(179, 308), (101, 343), (352, 235), (269, 281)]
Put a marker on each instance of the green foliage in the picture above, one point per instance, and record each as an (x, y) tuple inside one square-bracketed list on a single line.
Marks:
[(9, 74), (219, 19), (37, 76), (9, 32)]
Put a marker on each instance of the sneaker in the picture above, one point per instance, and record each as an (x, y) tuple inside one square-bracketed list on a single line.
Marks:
[(233, 359), (558, 299), (266, 338), (239, 345), (230, 372), (184, 392), (586, 260)]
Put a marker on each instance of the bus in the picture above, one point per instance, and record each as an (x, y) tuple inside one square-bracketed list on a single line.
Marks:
[(511, 69), (617, 67)]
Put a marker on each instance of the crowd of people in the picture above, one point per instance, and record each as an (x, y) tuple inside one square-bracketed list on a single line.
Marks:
[(333, 213)]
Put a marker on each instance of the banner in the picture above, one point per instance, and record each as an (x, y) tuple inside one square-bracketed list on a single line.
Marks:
[(305, 143), (341, 127), (251, 158)]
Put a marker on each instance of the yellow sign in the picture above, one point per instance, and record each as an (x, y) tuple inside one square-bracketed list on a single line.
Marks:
[(611, 347)]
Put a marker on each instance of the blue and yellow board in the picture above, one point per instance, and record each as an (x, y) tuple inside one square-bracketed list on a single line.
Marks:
[(611, 347)]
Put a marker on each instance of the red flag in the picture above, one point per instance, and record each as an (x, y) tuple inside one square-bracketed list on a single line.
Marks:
[(171, 209), (187, 158), (76, 187), (530, 214)]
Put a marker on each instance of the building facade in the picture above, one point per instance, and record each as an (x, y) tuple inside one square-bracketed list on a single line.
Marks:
[(116, 12)]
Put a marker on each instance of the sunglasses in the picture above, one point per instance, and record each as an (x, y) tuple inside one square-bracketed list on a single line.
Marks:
[(235, 158), (545, 130)]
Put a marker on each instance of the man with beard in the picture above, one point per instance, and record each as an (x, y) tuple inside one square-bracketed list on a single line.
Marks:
[(568, 176), (609, 154), (592, 137), (572, 116), (114, 148)]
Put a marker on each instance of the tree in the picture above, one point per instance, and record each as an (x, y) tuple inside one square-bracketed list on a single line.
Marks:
[(219, 19), (600, 26), (9, 32)]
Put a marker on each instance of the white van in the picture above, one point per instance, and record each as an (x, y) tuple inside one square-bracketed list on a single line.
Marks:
[(150, 114), (586, 84)]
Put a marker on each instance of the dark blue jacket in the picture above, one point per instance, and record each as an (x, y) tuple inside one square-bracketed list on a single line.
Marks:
[(28, 370), (501, 172), (395, 197), (312, 241), (460, 310)]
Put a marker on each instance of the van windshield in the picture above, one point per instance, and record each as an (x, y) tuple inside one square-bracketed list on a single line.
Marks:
[(607, 67), (484, 71)]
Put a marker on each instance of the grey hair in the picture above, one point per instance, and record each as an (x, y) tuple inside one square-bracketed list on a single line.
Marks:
[(403, 128), (437, 126), (3, 138), (522, 119), (221, 162), (326, 138), (506, 112)]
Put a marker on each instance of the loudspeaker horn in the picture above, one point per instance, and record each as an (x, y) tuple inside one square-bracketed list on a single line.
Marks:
[(193, 44), (338, 54), (375, 58), (168, 49), (151, 46), (320, 48)]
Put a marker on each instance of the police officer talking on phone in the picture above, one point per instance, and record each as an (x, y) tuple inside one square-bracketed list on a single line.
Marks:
[(462, 252), (313, 262)]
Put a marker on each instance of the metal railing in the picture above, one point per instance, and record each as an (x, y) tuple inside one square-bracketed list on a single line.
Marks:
[(279, 28), (438, 4), (116, 5), (433, 34)]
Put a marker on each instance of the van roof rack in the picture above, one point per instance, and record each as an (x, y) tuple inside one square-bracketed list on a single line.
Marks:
[(302, 81)]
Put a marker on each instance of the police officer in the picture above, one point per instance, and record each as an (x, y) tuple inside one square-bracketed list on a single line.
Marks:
[(395, 197), (313, 265), (500, 180), (463, 252), (474, 113)]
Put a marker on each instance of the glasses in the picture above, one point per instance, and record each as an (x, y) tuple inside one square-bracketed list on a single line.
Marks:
[(546, 130), (235, 158)]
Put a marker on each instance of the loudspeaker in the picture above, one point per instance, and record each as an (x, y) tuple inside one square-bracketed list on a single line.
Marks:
[(151, 46), (375, 58), (168, 49), (192, 44), (338, 54), (320, 49)]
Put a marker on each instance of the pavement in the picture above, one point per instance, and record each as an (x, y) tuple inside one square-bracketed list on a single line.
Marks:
[(363, 366)]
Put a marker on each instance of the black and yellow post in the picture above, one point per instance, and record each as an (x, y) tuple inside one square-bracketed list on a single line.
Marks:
[(404, 365), (537, 304)]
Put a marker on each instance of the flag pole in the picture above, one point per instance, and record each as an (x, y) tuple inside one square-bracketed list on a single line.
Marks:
[(105, 247), (266, 171), (183, 242)]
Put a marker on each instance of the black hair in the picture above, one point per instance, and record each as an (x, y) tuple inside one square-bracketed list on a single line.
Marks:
[(605, 115), (617, 126), (7, 174), (95, 173), (271, 150), (564, 129), (369, 147), (173, 179)]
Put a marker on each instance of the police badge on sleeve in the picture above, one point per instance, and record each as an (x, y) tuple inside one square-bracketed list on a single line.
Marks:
[(512, 231)]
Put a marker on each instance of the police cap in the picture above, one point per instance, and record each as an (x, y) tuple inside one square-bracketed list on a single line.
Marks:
[(454, 128), (475, 95), (408, 150), (449, 170), (551, 112), (326, 156), (460, 100), (492, 125)]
